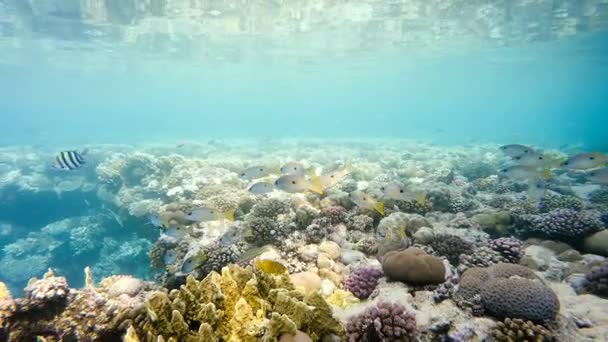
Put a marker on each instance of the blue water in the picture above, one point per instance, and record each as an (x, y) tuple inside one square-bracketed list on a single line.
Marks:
[(66, 82)]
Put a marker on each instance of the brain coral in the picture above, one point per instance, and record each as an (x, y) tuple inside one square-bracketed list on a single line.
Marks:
[(413, 266), (508, 290)]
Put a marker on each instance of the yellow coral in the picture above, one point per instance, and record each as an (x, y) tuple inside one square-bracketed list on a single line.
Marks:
[(4, 292), (130, 336), (244, 326), (342, 299)]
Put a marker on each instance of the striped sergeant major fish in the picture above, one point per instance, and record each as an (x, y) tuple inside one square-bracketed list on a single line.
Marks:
[(69, 160)]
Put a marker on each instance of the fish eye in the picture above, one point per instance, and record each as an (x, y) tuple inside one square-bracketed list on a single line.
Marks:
[(293, 182), (525, 151), (591, 158), (382, 189), (364, 198), (295, 167), (332, 176), (243, 174), (517, 158), (190, 214), (566, 163), (540, 158), (212, 212), (261, 169), (592, 174), (401, 191), (504, 170)]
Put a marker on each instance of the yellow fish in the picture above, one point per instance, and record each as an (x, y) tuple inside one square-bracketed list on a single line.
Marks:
[(586, 161), (332, 178), (366, 201), (299, 183), (269, 266)]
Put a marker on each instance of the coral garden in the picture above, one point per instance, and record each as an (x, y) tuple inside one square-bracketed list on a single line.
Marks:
[(185, 249)]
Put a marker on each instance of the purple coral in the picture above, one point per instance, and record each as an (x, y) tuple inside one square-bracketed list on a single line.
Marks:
[(563, 224), (384, 322), (510, 248), (363, 280)]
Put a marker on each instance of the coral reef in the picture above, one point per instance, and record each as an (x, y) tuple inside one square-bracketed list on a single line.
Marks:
[(550, 203), (511, 249), (385, 322), (596, 281), (450, 247), (363, 280), (480, 257), (51, 309), (512, 330), (235, 306), (508, 291), (413, 266), (560, 224)]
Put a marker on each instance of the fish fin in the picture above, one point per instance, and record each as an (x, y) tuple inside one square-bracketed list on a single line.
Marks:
[(275, 169), (380, 208), (229, 215), (421, 198), (546, 174), (84, 152), (316, 185), (311, 172)]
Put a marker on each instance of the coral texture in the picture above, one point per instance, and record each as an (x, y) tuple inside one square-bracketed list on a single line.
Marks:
[(451, 247), (384, 322), (561, 224), (508, 290), (517, 330), (234, 306), (363, 280), (511, 249), (413, 266)]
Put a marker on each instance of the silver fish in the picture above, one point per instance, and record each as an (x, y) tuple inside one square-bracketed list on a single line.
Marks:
[(261, 188)]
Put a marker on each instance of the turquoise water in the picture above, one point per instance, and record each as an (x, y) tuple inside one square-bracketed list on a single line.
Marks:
[(489, 71), (173, 95)]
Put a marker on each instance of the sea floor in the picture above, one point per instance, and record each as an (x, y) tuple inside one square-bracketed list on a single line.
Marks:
[(429, 242)]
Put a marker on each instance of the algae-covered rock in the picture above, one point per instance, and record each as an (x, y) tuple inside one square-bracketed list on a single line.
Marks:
[(413, 266), (597, 243)]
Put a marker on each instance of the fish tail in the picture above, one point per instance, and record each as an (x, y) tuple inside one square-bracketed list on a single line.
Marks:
[(229, 215), (275, 169), (421, 198), (316, 185), (380, 208)]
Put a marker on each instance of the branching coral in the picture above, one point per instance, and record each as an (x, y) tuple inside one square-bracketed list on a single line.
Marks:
[(511, 249), (451, 247), (550, 203), (363, 280), (384, 322), (238, 305)]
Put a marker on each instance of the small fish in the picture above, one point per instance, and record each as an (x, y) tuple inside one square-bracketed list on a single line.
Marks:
[(536, 192), (366, 201), (514, 150), (294, 169), (157, 221), (254, 252), (295, 184), (256, 172), (170, 257), (193, 261), (599, 176), (269, 266), (334, 177), (524, 173), (203, 214), (69, 160), (261, 188), (176, 232), (397, 192), (533, 159), (586, 161)]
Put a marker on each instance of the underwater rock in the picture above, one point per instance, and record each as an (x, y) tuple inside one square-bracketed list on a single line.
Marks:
[(351, 257), (384, 322), (51, 309), (424, 235), (309, 281), (508, 291), (597, 243), (413, 266), (331, 249), (400, 225), (597, 281)]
